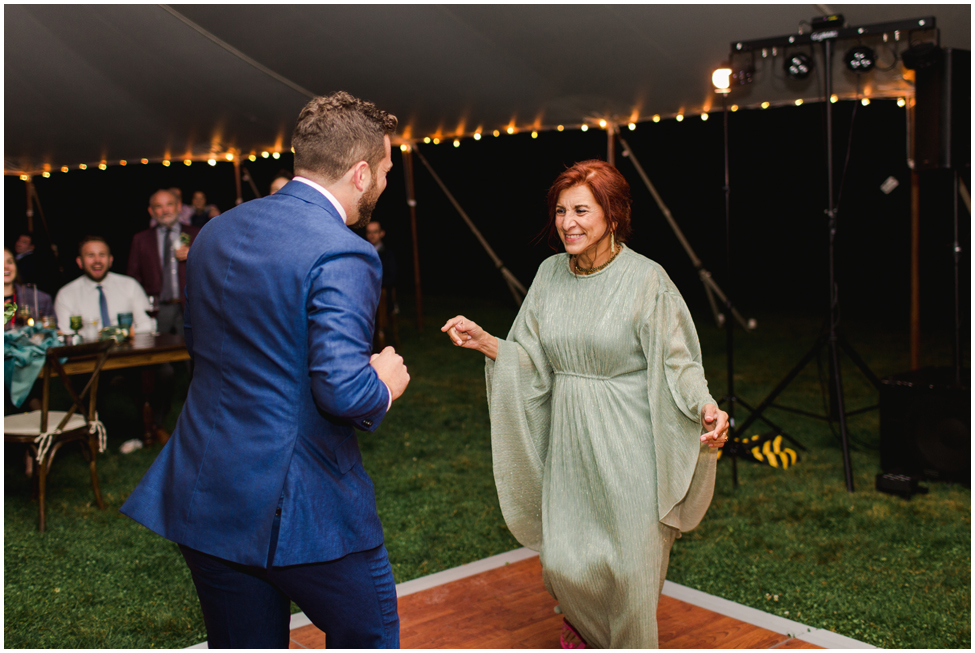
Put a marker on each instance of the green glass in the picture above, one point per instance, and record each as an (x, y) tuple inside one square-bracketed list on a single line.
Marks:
[(76, 323)]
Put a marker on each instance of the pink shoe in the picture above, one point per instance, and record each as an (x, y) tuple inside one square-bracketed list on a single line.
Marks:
[(567, 628)]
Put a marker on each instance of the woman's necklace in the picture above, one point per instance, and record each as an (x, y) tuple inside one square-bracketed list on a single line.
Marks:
[(584, 271)]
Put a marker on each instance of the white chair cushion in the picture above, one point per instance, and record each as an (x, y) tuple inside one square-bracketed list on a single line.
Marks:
[(30, 423)]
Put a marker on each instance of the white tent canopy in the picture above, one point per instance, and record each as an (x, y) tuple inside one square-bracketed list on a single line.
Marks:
[(104, 83)]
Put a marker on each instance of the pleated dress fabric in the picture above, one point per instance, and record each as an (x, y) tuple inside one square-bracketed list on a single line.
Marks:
[(595, 401)]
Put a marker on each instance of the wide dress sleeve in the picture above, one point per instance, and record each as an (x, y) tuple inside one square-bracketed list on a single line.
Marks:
[(519, 390), (677, 392)]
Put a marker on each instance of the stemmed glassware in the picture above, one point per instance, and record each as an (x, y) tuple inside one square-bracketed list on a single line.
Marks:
[(76, 325), (153, 311)]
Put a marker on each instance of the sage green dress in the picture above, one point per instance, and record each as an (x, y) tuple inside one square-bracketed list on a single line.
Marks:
[(595, 401)]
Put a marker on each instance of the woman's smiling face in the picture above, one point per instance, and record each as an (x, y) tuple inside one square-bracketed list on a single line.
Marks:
[(579, 220)]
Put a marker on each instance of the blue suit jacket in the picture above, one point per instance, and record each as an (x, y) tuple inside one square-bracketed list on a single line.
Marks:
[(280, 302)]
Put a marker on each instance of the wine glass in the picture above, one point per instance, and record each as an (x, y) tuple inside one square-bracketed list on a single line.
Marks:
[(152, 311), (76, 324)]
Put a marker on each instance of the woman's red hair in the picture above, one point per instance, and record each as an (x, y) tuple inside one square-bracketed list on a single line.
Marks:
[(607, 186)]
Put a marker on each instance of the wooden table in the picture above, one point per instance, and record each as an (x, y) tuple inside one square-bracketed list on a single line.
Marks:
[(143, 350)]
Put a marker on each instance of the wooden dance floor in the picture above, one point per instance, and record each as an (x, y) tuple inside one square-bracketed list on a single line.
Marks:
[(508, 607)]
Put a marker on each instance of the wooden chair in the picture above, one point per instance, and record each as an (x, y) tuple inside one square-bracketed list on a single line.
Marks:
[(34, 428)]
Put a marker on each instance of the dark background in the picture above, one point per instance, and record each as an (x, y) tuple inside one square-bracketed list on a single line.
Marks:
[(778, 199)]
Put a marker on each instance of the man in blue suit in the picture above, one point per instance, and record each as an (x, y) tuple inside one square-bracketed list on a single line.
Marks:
[(262, 484)]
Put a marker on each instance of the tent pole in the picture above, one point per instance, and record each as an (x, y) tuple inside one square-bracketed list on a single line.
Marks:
[(34, 199), (240, 200), (610, 143), (29, 187), (514, 285), (411, 202), (246, 174)]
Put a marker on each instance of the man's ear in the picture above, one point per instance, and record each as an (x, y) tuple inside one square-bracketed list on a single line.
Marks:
[(78, 261), (361, 175), (149, 209)]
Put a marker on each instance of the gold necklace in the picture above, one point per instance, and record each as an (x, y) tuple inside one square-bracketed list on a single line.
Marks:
[(586, 271)]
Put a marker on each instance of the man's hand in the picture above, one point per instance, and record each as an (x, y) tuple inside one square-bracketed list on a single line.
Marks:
[(391, 371), (181, 252)]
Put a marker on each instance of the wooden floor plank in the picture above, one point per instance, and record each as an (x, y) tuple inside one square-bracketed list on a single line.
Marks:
[(508, 607)]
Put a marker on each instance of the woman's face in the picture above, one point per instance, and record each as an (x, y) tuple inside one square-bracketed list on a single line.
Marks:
[(579, 219), (9, 268)]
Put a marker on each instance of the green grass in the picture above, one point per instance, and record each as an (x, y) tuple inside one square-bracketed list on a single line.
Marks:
[(874, 567)]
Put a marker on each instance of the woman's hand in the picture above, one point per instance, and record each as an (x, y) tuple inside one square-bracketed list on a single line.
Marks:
[(716, 420), (467, 334)]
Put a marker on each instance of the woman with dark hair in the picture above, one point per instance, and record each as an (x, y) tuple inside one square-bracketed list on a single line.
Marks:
[(603, 431), (21, 295)]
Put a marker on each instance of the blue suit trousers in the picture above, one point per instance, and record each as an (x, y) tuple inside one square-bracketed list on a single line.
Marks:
[(352, 600)]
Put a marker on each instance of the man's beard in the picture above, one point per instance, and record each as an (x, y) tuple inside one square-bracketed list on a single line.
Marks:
[(92, 277), (365, 207)]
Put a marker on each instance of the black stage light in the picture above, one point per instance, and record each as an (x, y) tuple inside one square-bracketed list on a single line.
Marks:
[(743, 74), (798, 65), (860, 59)]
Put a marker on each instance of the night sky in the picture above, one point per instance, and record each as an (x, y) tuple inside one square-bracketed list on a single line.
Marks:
[(778, 201)]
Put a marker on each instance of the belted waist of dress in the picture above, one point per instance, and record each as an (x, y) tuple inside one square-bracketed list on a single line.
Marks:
[(599, 377)]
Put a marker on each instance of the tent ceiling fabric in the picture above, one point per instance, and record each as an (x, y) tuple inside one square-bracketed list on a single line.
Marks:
[(85, 84)]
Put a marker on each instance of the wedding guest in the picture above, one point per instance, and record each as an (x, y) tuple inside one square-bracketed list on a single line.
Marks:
[(27, 265), (202, 212), (280, 181), (603, 431), (39, 303)]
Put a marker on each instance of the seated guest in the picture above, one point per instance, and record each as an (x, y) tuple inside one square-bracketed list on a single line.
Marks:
[(202, 212), (21, 295), (100, 295), (157, 259)]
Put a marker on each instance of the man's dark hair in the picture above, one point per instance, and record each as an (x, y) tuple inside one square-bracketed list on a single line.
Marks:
[(93, 239), (28, 234), (334, 132)]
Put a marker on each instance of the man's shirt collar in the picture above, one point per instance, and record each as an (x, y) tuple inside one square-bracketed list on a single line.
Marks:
[(331, 198)]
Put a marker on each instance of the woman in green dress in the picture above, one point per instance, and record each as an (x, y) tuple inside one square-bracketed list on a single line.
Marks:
[(603, 431)]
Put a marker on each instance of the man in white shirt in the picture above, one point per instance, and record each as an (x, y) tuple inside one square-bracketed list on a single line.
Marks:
[(100, 295)]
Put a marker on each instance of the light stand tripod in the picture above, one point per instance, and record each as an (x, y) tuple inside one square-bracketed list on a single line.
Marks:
[(833, 340)]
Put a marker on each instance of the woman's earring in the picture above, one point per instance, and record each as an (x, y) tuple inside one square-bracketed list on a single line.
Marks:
[(612, 242)]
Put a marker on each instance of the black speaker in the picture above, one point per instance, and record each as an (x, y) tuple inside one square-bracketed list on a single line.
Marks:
[(942, 112), (925, 425)]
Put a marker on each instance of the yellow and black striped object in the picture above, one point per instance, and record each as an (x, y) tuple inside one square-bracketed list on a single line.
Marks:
[(768, 450)]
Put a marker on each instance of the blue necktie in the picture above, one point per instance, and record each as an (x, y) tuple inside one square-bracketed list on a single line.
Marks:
[(103, 305)]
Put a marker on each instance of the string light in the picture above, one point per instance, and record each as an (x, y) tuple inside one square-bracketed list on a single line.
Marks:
[(632, 126), (477, 136), (25, 177), (265, 154), (765, 105), (680, 117), (276, 155), (84, 167), (426, 139), (103, 166), (834, 98), (123, 162), (436, 141), (534, 134), (456, 142), (64, 168), (292, 149), (404, 147), (901, 102), (45, 174), (656, 117), (510, 130), (865, 101), (229, 156), (144, 161), (602, 123), (734, 107), (187, 162), (496, 133), (561, 127), (799, 102), (252, 157), (166, 162), (704, 117), (584, 128), (212, 162)]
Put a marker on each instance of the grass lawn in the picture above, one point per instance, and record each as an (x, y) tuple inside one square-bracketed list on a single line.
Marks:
[(794, 543)]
